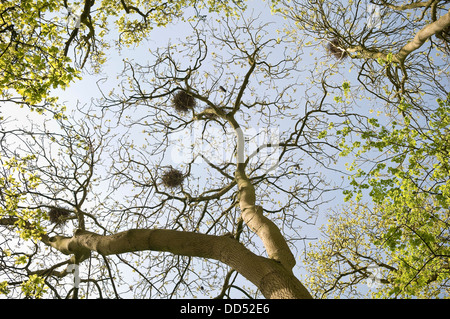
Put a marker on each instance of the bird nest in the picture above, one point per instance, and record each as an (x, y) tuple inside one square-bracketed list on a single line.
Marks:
[(336, 49), (183, 102), (173, 178), (58, 215)]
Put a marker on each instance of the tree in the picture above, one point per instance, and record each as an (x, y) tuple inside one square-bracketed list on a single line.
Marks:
[(400, 239), (45, 43), (393, 235), (186, 229), (203, 161), (391, 58)]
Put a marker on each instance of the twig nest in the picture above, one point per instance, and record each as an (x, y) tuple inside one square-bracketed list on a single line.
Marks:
[(58, 215), (173, 178), (183, 102), (336, 49)]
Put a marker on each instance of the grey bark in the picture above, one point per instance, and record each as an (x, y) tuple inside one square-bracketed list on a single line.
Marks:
[(270, 276)]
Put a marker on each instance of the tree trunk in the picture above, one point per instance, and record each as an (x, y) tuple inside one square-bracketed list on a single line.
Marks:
[(274, 280)]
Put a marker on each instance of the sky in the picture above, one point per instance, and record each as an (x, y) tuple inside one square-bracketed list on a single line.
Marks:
[(83, 92), (170, 34)]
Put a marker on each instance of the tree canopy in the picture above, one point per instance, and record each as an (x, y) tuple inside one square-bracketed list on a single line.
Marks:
[(199, 165)]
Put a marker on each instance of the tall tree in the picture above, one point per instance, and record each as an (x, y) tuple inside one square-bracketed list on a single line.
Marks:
[(398, 242), (45, 43), (203, 162), (386, 46), (230, 205)]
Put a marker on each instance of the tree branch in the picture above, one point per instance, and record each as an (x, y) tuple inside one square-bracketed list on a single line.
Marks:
[(413, 5), (269, 276), (274, 242)]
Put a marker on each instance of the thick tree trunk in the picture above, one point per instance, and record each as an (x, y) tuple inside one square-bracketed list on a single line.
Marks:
[(272, 278), (423, 35), (273, 275)]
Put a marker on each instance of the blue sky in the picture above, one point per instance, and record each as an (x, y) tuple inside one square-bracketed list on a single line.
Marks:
[(85, 91)]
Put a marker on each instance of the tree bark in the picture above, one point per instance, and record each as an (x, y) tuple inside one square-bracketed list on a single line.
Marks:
[(272, 278)]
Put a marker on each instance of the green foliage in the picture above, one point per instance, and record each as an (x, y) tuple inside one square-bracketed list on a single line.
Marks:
[(28, 222), (43, 48), (410, 188), (358, 239), (34, 287), (4, 288), (32, 61), (339, 260)]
